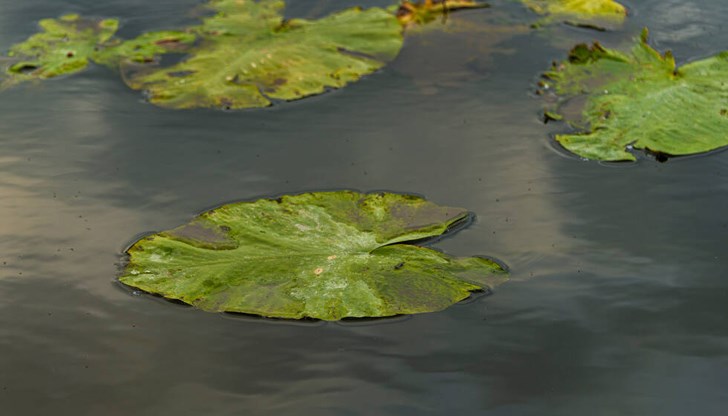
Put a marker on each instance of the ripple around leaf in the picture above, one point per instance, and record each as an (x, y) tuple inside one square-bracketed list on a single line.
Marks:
[(325, 255), (641, 100)]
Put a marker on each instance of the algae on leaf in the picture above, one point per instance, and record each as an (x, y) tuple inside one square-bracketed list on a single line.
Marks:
[(63, 47), (641, 100), (248, 55), (325, 255), (579, 12)]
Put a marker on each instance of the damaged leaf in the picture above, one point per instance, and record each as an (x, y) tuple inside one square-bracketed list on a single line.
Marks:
[(425, 11), (64, 46), (248, 55), (640, 100), (326, 255)]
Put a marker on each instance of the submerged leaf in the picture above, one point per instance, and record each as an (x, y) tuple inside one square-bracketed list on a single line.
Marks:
[(249, 54), (579, 12), (465, 44), (641, 100), (326, 255), (63, 47)]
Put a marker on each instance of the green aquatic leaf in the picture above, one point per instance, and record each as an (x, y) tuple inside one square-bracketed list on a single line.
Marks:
[(143, 49), (579, 12), (326, 255), (64, 46), (641, 100), (248, 55)]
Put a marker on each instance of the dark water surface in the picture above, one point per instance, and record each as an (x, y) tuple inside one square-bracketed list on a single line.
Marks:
[(618, 295)]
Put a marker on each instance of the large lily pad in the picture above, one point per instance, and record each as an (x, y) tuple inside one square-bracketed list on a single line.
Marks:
[(327, 255), (249, 55), (64, 46), (640, 100), (579, 12)]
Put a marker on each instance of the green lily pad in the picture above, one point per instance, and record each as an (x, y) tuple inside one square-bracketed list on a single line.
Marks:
[(640, 100), (326, 255), (63, 47), (248, 55), (590, 13)]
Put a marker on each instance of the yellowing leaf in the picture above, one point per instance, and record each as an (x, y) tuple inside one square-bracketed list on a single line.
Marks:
[(579, 11)]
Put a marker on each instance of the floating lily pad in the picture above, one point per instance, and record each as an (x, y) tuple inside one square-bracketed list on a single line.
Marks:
[(640, 100), (327, 255), (248, 55), (580, 12), (63, 47)]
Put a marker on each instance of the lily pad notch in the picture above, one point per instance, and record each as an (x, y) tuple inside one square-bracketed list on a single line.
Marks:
[(638, 100), (321, 255)]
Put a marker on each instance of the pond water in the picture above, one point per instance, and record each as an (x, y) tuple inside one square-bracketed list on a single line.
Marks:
[(618, 291)]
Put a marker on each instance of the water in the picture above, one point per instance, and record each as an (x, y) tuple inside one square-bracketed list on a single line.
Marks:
[(617, 297)]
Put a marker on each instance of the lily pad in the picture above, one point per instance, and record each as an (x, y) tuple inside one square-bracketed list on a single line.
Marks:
[(63, 47), (640, 100), (326, 255), (249, 54), (579, 12), (246, 54)]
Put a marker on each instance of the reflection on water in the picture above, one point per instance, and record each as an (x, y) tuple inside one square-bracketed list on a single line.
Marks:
[(617, 294)]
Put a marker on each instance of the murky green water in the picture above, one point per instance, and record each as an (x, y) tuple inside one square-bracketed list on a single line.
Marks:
[(618, 296)]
